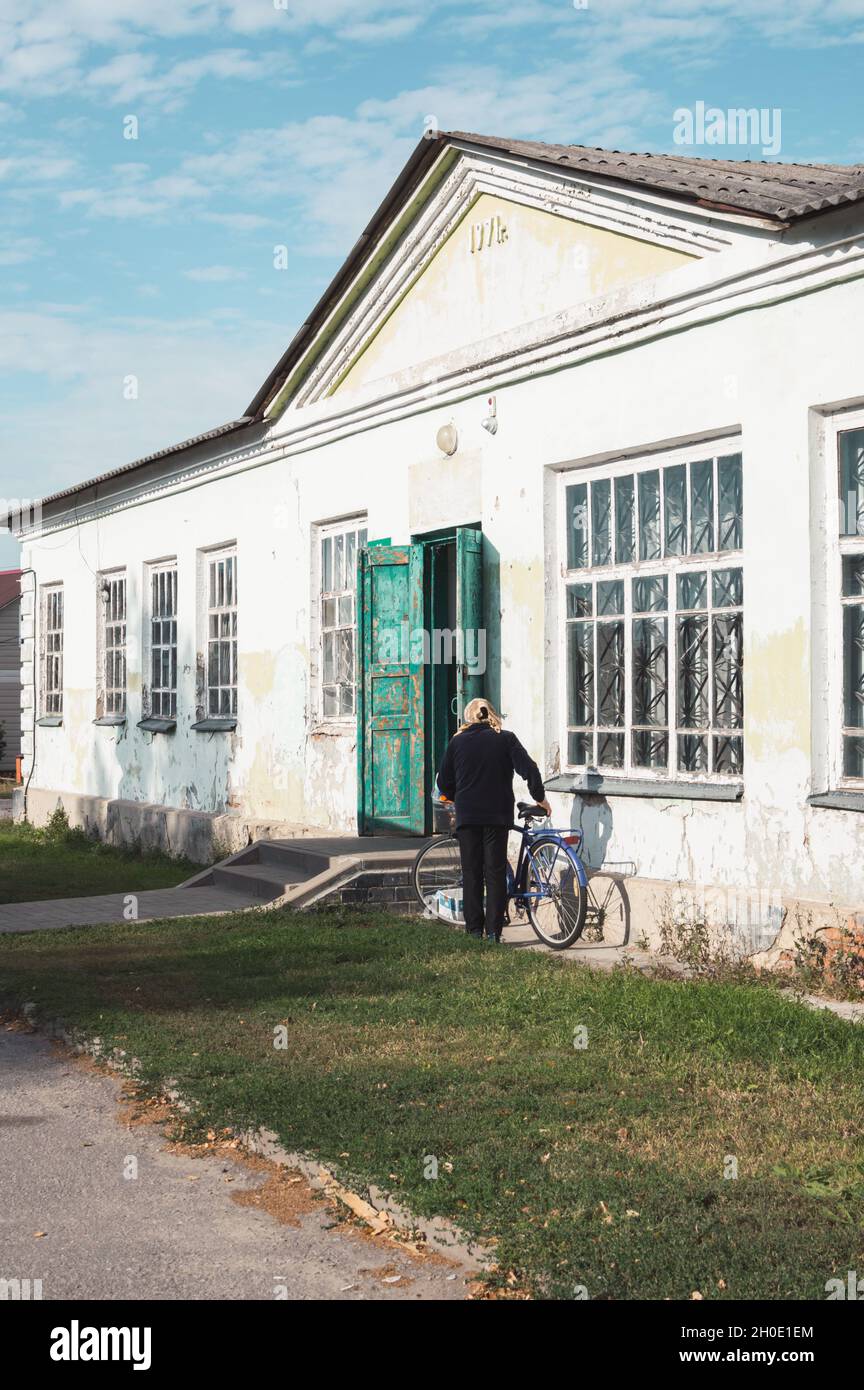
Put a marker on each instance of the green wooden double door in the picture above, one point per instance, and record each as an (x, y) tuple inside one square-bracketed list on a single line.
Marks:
[(421, 650)]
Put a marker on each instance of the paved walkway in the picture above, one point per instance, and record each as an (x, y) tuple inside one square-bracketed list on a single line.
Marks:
[(146, 906), (70, 1217)]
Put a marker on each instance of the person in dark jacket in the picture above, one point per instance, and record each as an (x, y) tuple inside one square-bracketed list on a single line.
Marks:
[(477, 774)]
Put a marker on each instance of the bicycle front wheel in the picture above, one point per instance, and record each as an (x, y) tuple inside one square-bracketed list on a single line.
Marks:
[(554, 894), (437, 878)]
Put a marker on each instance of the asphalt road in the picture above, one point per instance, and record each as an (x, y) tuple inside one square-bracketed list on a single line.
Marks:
[(174, 1231)]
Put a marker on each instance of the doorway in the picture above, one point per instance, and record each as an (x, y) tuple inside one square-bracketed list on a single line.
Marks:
[(420, 636)]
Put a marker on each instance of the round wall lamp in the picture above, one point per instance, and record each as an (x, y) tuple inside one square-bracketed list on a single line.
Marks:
[(447, 439)]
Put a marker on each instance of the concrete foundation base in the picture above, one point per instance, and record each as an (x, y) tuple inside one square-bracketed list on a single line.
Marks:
[(194, 835)]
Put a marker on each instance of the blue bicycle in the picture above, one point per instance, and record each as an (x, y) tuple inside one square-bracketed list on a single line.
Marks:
[(549, 882)]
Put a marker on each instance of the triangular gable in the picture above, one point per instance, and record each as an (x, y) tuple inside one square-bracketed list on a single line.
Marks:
[(483, 244), (504, 264)]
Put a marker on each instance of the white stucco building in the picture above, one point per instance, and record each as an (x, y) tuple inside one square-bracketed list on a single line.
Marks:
[(602, 414)]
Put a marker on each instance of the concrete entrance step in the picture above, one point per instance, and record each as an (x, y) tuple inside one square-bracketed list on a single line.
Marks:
[(265, 880), (299, 872)]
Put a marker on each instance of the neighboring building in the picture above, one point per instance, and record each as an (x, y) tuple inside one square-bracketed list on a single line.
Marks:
[(10, 670), (602, 414)]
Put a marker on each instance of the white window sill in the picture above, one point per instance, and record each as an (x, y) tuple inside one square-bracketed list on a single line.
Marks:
[(335, 728), (596, 784)]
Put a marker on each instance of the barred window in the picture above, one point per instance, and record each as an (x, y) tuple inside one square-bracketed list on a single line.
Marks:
[(339, 547), (163, 641), (653, 612), (222, 635), (52, 652), (852, 599), (112, 689)]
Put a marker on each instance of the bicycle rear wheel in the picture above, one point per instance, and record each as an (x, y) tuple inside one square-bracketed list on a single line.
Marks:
[(437, 876), (555, 896)]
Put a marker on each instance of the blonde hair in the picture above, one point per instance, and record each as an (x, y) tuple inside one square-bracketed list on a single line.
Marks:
[(480, 711)]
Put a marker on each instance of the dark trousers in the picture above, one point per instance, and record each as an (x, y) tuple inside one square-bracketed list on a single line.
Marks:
[(483, 851)]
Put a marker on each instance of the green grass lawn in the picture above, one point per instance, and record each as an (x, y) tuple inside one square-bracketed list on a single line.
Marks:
[(35, 865), (602, 1167)]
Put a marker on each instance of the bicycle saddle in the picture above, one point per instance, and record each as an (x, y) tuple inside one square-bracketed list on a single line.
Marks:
[(529, 811)]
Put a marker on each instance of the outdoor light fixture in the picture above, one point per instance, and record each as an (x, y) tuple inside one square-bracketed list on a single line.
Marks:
[(447, 439), (491, 421)]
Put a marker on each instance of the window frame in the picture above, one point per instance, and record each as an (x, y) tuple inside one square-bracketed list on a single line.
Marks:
[(207, 558), (108, 617), (840, 547), (152, 569), (626, 571), (358, 525), (48, 689)]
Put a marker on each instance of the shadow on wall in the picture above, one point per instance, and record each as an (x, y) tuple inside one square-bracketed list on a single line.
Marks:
[(609, 916)]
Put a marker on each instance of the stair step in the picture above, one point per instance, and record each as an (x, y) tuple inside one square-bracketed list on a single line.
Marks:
[(267, 880), (308, 861)]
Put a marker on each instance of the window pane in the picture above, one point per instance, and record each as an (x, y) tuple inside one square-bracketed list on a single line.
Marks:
[(329, 612), (852, 483), (329, 656), (649, 515), (692, 590), (649, 595), (580, 673), (675, 505), (853, 666), (650, 750), (327, 564), (610, 750), (578, 600), (351, 562), (728, 684), (625, 520), (649, 671), (346, 699), (728, 754), (576, 507), (338, 562), (610, 596), (346, 610), (610, 673), (702, 506), (692, 753), (579, 750), (727, 588), (601, 522), (331, 701), (692, 673), (730, 507), (853, 576), (853, 757)]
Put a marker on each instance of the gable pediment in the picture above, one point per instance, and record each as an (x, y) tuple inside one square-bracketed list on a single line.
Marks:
[(488, 246)]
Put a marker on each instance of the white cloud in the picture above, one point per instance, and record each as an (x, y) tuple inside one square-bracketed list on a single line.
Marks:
[(215, 274)]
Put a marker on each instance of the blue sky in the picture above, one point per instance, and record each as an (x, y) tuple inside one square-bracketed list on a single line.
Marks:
[(267, 122)]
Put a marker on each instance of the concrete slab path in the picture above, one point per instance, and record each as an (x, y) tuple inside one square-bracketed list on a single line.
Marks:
[(149, 905)]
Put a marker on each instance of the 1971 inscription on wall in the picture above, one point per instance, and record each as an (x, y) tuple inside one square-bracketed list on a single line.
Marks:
[(490, 232)]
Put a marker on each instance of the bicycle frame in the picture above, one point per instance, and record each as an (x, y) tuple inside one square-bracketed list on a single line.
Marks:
[(563, 838)]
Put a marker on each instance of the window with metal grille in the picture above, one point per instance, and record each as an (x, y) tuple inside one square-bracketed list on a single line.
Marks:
[(52, 652), (852, 600), (338, 617), (113, 686), (222, 635), (653, 615), (163, 641)]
